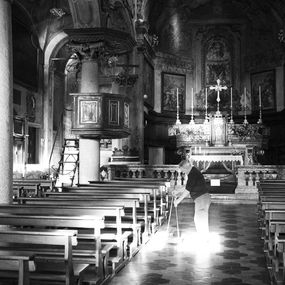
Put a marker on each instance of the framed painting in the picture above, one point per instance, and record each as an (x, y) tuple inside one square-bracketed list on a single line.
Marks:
[(263, 91), (171, 83)]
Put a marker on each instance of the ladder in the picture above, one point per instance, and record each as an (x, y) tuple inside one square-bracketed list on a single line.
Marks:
[(68, 164)]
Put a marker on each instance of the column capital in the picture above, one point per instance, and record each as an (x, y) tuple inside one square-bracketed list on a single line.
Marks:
[(88, 51)]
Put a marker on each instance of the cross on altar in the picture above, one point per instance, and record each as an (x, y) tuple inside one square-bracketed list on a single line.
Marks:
[(218, 88)]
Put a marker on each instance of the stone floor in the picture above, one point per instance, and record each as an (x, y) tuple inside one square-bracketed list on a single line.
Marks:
[(234, 255)]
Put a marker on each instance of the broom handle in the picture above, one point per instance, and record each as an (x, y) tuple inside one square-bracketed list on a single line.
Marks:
[(177, 223), (170, 211)]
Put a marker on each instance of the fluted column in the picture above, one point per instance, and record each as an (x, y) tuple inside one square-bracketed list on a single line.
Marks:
[(6, 103)]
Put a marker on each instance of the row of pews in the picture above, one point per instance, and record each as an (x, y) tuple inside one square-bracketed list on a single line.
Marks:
[(81, 235), (271, 217)]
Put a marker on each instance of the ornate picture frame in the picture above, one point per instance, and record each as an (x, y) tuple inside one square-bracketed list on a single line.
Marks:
[(170, 82), (266, 81)]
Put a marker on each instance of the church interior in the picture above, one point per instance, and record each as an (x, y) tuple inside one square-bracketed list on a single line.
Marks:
[(101, 100)]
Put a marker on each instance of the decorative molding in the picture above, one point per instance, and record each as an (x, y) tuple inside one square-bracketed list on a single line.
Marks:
[(125, 79), (173, 64)]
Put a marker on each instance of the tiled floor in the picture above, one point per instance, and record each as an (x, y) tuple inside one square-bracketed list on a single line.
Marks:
[(234, 256)]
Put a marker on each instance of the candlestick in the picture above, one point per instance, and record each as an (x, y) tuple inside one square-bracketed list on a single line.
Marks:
[(177, 98), (245, 120), (231, 97), (192, 102), (260, 106), (245, 99), (177, 107), (192, 105), (206, 105), (259, 92), (231, 120)]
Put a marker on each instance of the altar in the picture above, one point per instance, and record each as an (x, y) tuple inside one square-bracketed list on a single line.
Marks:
[(218, 142)]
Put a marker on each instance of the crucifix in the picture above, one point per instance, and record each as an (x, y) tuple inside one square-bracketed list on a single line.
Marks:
[(218, 88)]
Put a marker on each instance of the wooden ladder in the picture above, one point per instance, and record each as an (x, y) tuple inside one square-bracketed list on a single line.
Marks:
[(68, 164)]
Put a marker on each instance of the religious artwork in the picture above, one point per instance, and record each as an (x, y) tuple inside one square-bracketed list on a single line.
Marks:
[(148, 82), (217, 62), (88, 112), (126, 115), (263, 90), (113, 112), (171, 83), (31, 107)]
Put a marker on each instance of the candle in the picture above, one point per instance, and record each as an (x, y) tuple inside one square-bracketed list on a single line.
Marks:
[(177, 98), (192, 100), (245, 100), (206, 105), (231, 97), (259, 92)]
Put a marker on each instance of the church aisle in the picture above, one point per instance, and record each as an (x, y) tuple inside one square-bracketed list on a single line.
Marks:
[(234, 256)]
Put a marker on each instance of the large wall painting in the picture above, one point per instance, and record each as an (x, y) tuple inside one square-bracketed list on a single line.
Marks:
[(266, 81), (218, 63), (170, 83)]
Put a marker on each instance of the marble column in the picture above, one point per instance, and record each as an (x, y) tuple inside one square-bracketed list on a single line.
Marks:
[(6, 103), (89, 148)]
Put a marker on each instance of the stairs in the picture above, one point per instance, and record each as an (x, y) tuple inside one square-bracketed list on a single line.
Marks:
[(68, 164)]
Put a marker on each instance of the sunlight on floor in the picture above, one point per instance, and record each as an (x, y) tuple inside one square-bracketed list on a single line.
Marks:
[(188, 242), (203, 246)]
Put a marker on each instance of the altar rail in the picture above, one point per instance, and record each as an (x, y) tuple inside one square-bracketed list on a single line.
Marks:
[(171, 172), (247, 176)]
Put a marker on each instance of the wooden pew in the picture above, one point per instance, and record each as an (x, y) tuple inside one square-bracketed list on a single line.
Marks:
[(49, 266), (95, 224), (271, 213), (128, 201), (145, 194), (26, 190), (20, 263), (130, 204), (123, 189), (47, 184), (162, 187)]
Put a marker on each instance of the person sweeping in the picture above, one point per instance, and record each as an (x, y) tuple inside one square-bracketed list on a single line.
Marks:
[(196, 187)]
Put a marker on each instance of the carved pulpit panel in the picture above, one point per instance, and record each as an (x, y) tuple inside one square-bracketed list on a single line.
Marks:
[(89, 111)]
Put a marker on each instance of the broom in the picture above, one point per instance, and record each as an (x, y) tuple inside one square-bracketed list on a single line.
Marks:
[(169, 217)]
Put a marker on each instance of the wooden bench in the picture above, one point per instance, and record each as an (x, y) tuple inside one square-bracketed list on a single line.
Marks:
[(162, 187), (91, 223), (152, 193), (131, 202), (46, 184), (20, 263), (116, 237), (49, 265), (145, 195)]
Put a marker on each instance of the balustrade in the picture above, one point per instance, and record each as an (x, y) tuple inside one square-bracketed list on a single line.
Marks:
[(247, 176)]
